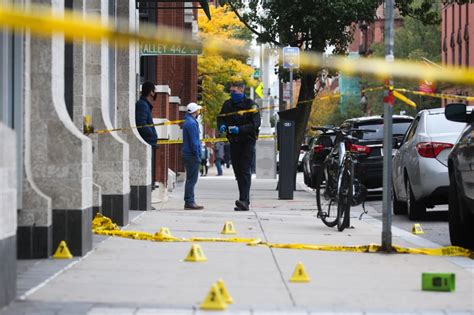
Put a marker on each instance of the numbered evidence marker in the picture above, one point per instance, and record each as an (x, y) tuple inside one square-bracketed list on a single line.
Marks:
[(214, 300), (228, 228), (438, 281), (223, 291), (416, 229), (195, 254), (62, 252), (300, 275)]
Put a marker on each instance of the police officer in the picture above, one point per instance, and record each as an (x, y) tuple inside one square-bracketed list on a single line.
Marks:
[(242, 132)]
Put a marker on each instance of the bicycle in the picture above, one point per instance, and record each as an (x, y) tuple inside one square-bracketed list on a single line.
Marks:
[(341, 187)]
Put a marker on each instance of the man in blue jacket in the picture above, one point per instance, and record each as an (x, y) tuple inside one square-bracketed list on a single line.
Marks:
[(143, 117), (191, 152)]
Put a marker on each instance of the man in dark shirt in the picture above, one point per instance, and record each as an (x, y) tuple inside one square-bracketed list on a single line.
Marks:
[(143, 118), (242, 131)]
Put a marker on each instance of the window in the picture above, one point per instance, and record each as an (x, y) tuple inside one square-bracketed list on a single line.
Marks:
[(411, 130)]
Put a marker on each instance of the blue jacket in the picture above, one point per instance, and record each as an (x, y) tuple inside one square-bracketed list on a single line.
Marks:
[(143, 117), (191, 141)]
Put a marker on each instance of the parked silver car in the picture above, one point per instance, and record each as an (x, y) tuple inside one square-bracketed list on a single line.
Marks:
[(420, 166)]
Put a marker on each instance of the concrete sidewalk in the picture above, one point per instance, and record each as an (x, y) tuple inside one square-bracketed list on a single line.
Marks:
[(124, 276)]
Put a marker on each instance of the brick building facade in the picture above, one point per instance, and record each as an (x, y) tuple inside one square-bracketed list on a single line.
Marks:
[(457, 48), (176, 78)]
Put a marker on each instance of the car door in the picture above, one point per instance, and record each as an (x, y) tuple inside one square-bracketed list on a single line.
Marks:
[(465, 161), (401, 156)]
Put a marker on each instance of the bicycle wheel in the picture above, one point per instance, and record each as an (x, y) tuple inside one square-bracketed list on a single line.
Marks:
[(326, 206), (344, 201)]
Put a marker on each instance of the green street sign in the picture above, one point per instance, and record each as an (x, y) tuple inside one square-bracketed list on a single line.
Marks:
[(154, 49), (438, 281)]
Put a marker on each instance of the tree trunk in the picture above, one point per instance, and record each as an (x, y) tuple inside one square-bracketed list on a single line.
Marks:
[(303, 110)]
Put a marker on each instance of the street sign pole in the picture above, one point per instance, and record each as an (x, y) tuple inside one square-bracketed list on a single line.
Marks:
[(388, 132), (291, 87)]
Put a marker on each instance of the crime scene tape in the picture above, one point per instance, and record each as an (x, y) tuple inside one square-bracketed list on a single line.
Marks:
[(102, 131), (102, 225), (210, 140), (41, 21), (438, 95)]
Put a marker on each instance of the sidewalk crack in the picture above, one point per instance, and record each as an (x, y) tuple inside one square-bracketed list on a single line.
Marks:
[(283, 279)]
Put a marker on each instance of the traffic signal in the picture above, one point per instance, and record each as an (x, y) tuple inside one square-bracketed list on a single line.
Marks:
[(205, 7), (199, 90)]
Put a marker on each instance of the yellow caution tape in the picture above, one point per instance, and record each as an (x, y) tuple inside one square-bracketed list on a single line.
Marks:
[(373, 248), (404, 99), (245, 111), (104, 226), (439, 95), (102, 131), (209, 140), (41, 21)]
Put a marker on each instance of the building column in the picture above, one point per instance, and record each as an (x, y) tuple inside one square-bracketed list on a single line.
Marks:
[(35, 216), (61, 156), (111, 153), (8, 208), (140, 151)]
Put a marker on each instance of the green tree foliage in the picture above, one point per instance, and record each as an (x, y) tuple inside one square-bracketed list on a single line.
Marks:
[(217, 70), (417, 42)]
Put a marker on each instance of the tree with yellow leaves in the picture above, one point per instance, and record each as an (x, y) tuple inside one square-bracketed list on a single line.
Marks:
[(217, 70)]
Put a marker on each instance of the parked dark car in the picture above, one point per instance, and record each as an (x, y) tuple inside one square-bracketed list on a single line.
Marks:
[(461, 178), (317, 150), (369, 169)]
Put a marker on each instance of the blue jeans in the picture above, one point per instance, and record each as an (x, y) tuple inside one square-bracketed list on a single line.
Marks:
[(191, 164), (219, 166)]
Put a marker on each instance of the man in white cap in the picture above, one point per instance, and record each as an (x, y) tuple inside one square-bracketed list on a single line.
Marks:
[(191, 152)]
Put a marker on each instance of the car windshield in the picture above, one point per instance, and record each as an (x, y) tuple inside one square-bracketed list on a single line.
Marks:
[(399, 128), (437, 123)]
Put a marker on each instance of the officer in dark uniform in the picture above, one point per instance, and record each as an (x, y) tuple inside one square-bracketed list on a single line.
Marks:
[(242, 132)]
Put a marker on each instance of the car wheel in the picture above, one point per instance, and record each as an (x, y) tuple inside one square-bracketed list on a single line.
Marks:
[(399, 207), (415, 209), (460, 231)]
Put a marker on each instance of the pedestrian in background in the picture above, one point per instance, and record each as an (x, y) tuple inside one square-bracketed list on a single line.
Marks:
[(143, 117), (191, 152), (242, 133), (219, 150), (227, 159), (204, 160)]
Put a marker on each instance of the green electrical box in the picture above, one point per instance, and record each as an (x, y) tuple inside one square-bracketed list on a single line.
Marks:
[(438, 281)]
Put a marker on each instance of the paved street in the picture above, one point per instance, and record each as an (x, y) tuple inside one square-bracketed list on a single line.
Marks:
[(124, 276)]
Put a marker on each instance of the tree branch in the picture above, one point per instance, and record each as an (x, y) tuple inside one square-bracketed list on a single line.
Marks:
[(248, 25)]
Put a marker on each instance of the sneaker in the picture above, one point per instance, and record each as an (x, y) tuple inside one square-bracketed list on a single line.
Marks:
[(243, 205), (193, 206)]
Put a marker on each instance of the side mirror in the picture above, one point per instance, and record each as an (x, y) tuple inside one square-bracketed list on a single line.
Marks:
[(396, 144), (304, 147), (456, 112)]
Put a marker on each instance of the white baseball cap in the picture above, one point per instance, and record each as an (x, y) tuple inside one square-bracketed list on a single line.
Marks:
[(193, 107)]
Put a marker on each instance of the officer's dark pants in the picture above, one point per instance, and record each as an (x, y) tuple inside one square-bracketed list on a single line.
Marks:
[(241, 154)]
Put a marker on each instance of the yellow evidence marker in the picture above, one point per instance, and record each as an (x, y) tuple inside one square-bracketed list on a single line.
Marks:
[(62, 252), (195, 254), (300, 275), (165, 232), (214, 300), (223, 291), (416, 229), (229, 228)]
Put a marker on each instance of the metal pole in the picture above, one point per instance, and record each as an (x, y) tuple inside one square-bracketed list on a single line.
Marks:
[(388, 132), (291, 87)]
